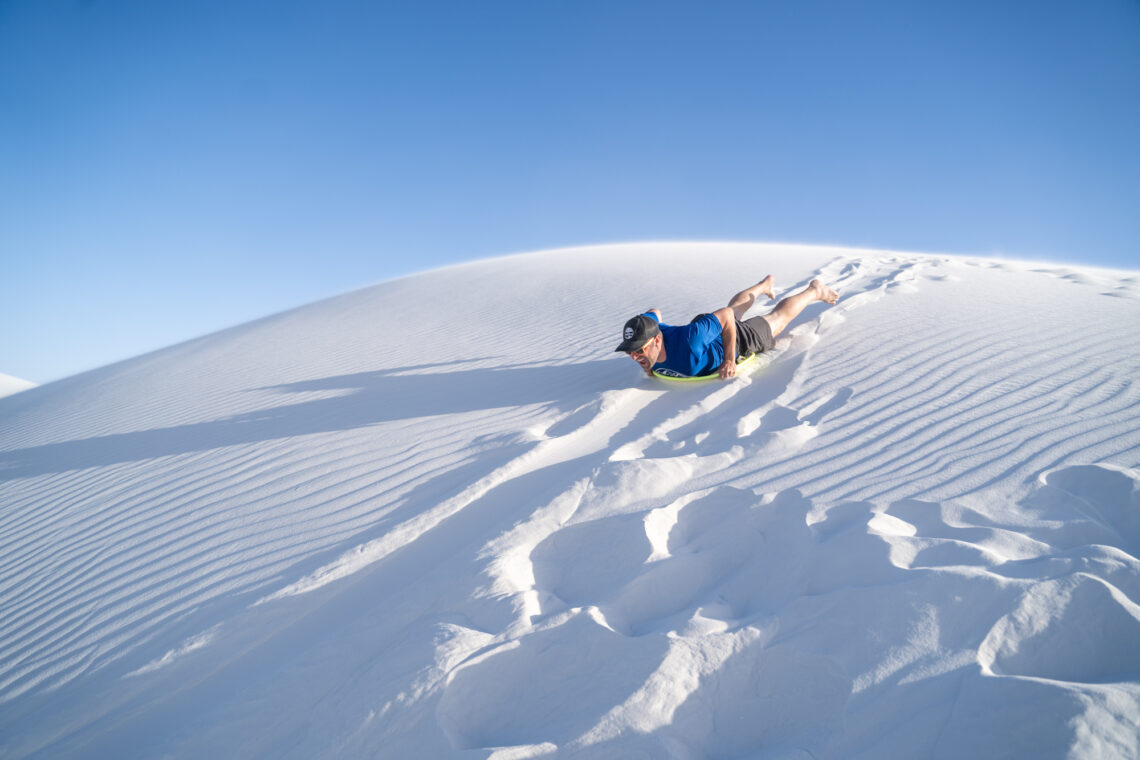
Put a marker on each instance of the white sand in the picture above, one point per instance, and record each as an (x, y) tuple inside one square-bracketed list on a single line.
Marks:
[(441, 518), (11, 385)]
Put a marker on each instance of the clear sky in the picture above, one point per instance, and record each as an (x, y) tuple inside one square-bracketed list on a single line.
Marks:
[(172, 168)]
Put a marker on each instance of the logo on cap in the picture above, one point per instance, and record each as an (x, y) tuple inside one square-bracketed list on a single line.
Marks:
[(628, 334)]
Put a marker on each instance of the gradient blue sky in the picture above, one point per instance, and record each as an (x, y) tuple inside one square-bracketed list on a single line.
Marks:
[(172, 168)]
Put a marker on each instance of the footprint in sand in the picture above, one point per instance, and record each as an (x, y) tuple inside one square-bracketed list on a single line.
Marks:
[(707, 557), (640, 570), (1078, 629), (582, 564), (827, 406), (789, 428), (1088, 504)]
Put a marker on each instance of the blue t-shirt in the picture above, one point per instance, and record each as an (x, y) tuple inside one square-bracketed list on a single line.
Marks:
[(692, 349)]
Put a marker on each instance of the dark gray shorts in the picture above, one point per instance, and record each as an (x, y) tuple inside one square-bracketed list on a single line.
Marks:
[(753, 336)]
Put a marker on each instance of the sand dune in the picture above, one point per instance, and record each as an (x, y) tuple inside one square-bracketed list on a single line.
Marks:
[(10, 385), (440, 517)]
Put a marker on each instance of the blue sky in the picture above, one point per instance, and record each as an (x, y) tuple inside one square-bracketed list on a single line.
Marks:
[(169, 169)]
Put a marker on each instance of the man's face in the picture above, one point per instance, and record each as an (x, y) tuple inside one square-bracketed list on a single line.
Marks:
[(647, 355)]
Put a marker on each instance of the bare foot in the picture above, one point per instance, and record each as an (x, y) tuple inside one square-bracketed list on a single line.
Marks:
[(768, 286), (824, 293)]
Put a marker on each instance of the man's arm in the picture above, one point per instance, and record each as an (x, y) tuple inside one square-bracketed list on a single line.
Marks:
[(727, 319)]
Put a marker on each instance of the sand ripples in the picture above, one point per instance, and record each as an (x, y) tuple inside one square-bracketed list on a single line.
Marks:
[(927, 500)]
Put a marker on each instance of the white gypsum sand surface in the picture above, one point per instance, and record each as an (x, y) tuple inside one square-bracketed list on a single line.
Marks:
[(440, 517), (10, 385)]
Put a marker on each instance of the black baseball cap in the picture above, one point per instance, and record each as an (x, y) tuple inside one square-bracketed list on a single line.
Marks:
[(637, 332)]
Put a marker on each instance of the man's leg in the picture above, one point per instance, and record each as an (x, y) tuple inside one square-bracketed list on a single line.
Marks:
[(790, 307), (742, 301)]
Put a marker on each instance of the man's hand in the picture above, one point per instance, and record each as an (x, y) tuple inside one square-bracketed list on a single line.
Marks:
[(727, 319)]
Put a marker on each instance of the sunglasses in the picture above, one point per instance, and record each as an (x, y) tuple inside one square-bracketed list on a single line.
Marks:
[(641, 351)]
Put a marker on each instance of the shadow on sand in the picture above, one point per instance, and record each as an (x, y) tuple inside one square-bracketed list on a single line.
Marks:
[(374, 397)]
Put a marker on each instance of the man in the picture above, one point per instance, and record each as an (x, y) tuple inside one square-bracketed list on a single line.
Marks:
[(711, 342)]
